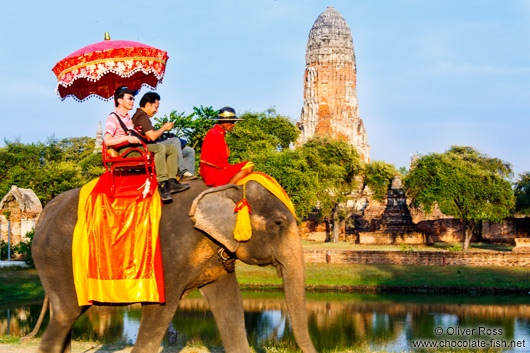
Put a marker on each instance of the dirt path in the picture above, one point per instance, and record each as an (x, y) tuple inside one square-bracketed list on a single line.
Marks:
[(84, 347)]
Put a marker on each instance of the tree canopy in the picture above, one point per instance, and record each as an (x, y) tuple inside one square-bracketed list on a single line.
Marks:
[(267, 130), (343, 181), (264, 138), (465, 184), (192, 127), (49, 168)]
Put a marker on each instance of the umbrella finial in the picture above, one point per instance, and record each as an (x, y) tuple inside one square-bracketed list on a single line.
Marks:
[(107, 36)]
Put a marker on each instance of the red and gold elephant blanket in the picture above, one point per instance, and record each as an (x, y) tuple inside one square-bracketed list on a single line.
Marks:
[(243, 229), (116, 251)]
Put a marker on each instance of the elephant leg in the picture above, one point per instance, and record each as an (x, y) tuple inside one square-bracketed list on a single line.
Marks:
[(63, 315), (68, 343), (226, 304), (153, 325)]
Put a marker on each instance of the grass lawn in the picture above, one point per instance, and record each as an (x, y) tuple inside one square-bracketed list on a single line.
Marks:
[(19, 284), (394, 275)]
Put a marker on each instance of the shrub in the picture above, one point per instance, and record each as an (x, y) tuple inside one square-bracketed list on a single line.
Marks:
[(455, 248), (406, 247), (24, 247), (3, 250)]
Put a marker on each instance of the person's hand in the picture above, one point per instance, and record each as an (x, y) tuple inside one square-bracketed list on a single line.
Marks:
[(168, 126), (133, 140)]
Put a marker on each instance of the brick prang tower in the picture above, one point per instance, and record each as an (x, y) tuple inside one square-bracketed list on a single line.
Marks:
[(330, 85)]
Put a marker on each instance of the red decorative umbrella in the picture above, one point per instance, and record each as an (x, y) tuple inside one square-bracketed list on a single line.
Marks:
[(98, 69)]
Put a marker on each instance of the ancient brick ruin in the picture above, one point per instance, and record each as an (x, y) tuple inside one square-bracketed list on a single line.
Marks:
[(21, 207), (394, 225), (396, 216), (330, 85)]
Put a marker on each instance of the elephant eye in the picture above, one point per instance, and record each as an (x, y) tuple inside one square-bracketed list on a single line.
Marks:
[(276, 224), (280, 221)]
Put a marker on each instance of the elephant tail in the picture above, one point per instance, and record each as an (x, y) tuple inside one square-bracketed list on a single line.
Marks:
[(32, 334)]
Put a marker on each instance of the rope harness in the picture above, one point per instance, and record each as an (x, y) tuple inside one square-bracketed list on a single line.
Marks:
[(227, 259)]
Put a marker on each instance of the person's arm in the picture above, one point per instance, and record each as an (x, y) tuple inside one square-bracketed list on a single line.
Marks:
[(113, 141), (154, 134)]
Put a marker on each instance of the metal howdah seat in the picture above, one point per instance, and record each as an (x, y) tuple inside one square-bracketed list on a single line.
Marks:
[(129, 175)]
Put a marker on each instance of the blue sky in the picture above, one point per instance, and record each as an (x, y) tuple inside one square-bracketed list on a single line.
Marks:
[(430, 74)]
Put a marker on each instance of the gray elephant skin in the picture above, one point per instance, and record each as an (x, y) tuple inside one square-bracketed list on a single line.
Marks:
[(193, 228)]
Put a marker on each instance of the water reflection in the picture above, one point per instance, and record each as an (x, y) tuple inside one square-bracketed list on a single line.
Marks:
[(19, 319), (336, 321)]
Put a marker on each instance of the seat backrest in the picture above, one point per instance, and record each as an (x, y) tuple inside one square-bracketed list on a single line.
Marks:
[(112, 159), (124, 170)]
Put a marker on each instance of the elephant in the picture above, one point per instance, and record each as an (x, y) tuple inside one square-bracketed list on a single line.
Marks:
[(196, 237)]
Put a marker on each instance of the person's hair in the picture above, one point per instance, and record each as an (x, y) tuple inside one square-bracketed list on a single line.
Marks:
[(149, 97), (116, 97)]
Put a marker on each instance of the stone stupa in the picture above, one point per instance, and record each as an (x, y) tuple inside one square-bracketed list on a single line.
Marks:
[(330, 85)]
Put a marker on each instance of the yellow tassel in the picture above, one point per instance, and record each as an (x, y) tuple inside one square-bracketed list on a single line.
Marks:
[(243, 229)]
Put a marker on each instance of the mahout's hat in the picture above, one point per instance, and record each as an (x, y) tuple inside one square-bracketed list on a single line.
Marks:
[(226, 114)]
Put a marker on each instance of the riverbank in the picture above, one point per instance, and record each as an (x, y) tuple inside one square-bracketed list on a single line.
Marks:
[(14, 346)]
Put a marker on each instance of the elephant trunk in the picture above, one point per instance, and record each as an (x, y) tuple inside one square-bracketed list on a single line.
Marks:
[(290, 261)]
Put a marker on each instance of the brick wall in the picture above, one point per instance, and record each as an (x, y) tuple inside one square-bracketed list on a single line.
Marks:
[(432, 258)]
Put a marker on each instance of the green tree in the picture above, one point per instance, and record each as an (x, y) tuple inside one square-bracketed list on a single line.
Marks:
[(92, 166), (15, 153), (293, 173), (202, 124), (522, 194), (77, 148), (259, 133), (343, 181), (48, 168), (192, 127), (465, 184)]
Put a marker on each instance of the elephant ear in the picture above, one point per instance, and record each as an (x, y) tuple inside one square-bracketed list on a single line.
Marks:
[(213, 213)]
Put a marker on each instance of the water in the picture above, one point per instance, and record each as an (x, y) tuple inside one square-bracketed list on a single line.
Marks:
[(391, 323)]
